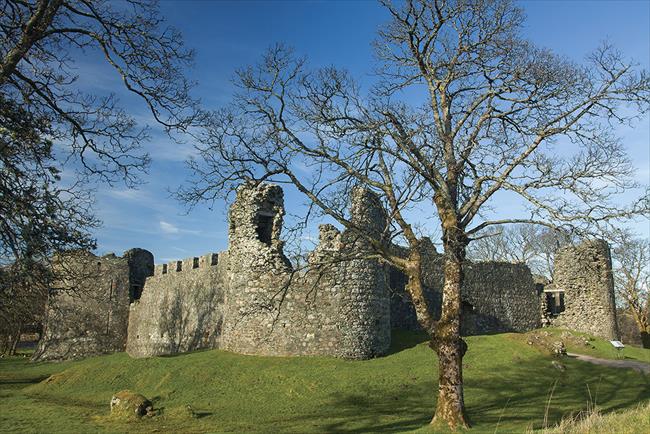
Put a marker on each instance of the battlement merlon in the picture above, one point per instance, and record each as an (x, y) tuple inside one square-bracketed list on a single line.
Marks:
[(187, 264)]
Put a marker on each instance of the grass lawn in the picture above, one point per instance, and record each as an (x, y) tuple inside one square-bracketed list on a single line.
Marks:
[(507, 387)]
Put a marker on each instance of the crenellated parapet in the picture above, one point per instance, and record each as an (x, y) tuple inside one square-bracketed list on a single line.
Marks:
[(187, 264), (180, 308)]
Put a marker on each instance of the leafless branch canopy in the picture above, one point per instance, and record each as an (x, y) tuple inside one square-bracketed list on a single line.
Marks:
[(463, 111), (632, 280), (528, 244), (494, 113), (42, 42)]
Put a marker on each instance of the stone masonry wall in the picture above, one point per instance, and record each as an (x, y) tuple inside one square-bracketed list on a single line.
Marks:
[(499, 297), (496, 296), (180, 309), (250, 300), (334, 308), (584, 273), (88, 307)]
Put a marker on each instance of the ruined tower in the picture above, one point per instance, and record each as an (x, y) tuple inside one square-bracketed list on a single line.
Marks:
[(250, 299), (257, 271), (88, 305), (366, 304), (583, 275), (334, 307)]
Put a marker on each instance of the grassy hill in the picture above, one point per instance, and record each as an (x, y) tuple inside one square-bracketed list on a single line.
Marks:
[(508, 385)]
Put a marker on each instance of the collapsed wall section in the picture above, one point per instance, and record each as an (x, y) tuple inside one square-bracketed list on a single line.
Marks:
[(180, 309), (495, 296), (583, 273), (88, 305)]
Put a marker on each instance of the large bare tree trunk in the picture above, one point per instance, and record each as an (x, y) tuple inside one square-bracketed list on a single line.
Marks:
[(445, 334), (446, 340)]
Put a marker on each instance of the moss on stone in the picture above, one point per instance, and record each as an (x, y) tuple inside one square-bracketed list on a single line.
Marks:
[(129, 404)]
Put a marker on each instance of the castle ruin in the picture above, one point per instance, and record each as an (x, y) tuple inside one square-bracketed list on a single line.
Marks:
[(581, 296), (87, 311), (249, 299)]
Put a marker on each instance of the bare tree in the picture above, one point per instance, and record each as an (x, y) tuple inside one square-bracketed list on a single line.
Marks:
[(48, 124), (497, 114), (38, 217), (632, 281), (40, 43), (528, 244), (23, 293)]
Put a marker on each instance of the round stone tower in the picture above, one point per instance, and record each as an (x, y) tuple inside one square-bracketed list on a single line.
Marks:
[(365, 307), (583, 273)]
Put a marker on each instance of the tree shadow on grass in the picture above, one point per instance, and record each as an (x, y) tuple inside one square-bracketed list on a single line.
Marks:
[(68, 402), (373, 410), (522, 395), (504, 396)]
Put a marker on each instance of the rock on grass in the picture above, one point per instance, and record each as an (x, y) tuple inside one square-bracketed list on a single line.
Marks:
[(130, 404)]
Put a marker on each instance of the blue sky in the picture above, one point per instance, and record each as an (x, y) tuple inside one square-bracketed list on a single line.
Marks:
[(228, 35)]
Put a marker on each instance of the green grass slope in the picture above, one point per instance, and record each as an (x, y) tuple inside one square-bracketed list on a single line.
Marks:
[(582, 343), (508, 384), (631, 421)]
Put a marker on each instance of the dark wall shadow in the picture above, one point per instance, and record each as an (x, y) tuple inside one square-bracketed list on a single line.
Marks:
[(404, 339)]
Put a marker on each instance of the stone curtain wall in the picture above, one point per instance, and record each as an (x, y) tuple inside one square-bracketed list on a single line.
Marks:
[(584, 273), (180, 309), (88, 307), (250, 300), (499, 297), (254, 302), (496, 296)]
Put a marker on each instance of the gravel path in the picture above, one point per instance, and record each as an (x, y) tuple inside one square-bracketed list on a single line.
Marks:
[(631, 364)]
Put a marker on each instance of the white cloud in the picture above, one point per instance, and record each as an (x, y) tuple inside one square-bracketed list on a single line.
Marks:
[(171, 229), (129, 194), (168, 228)]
